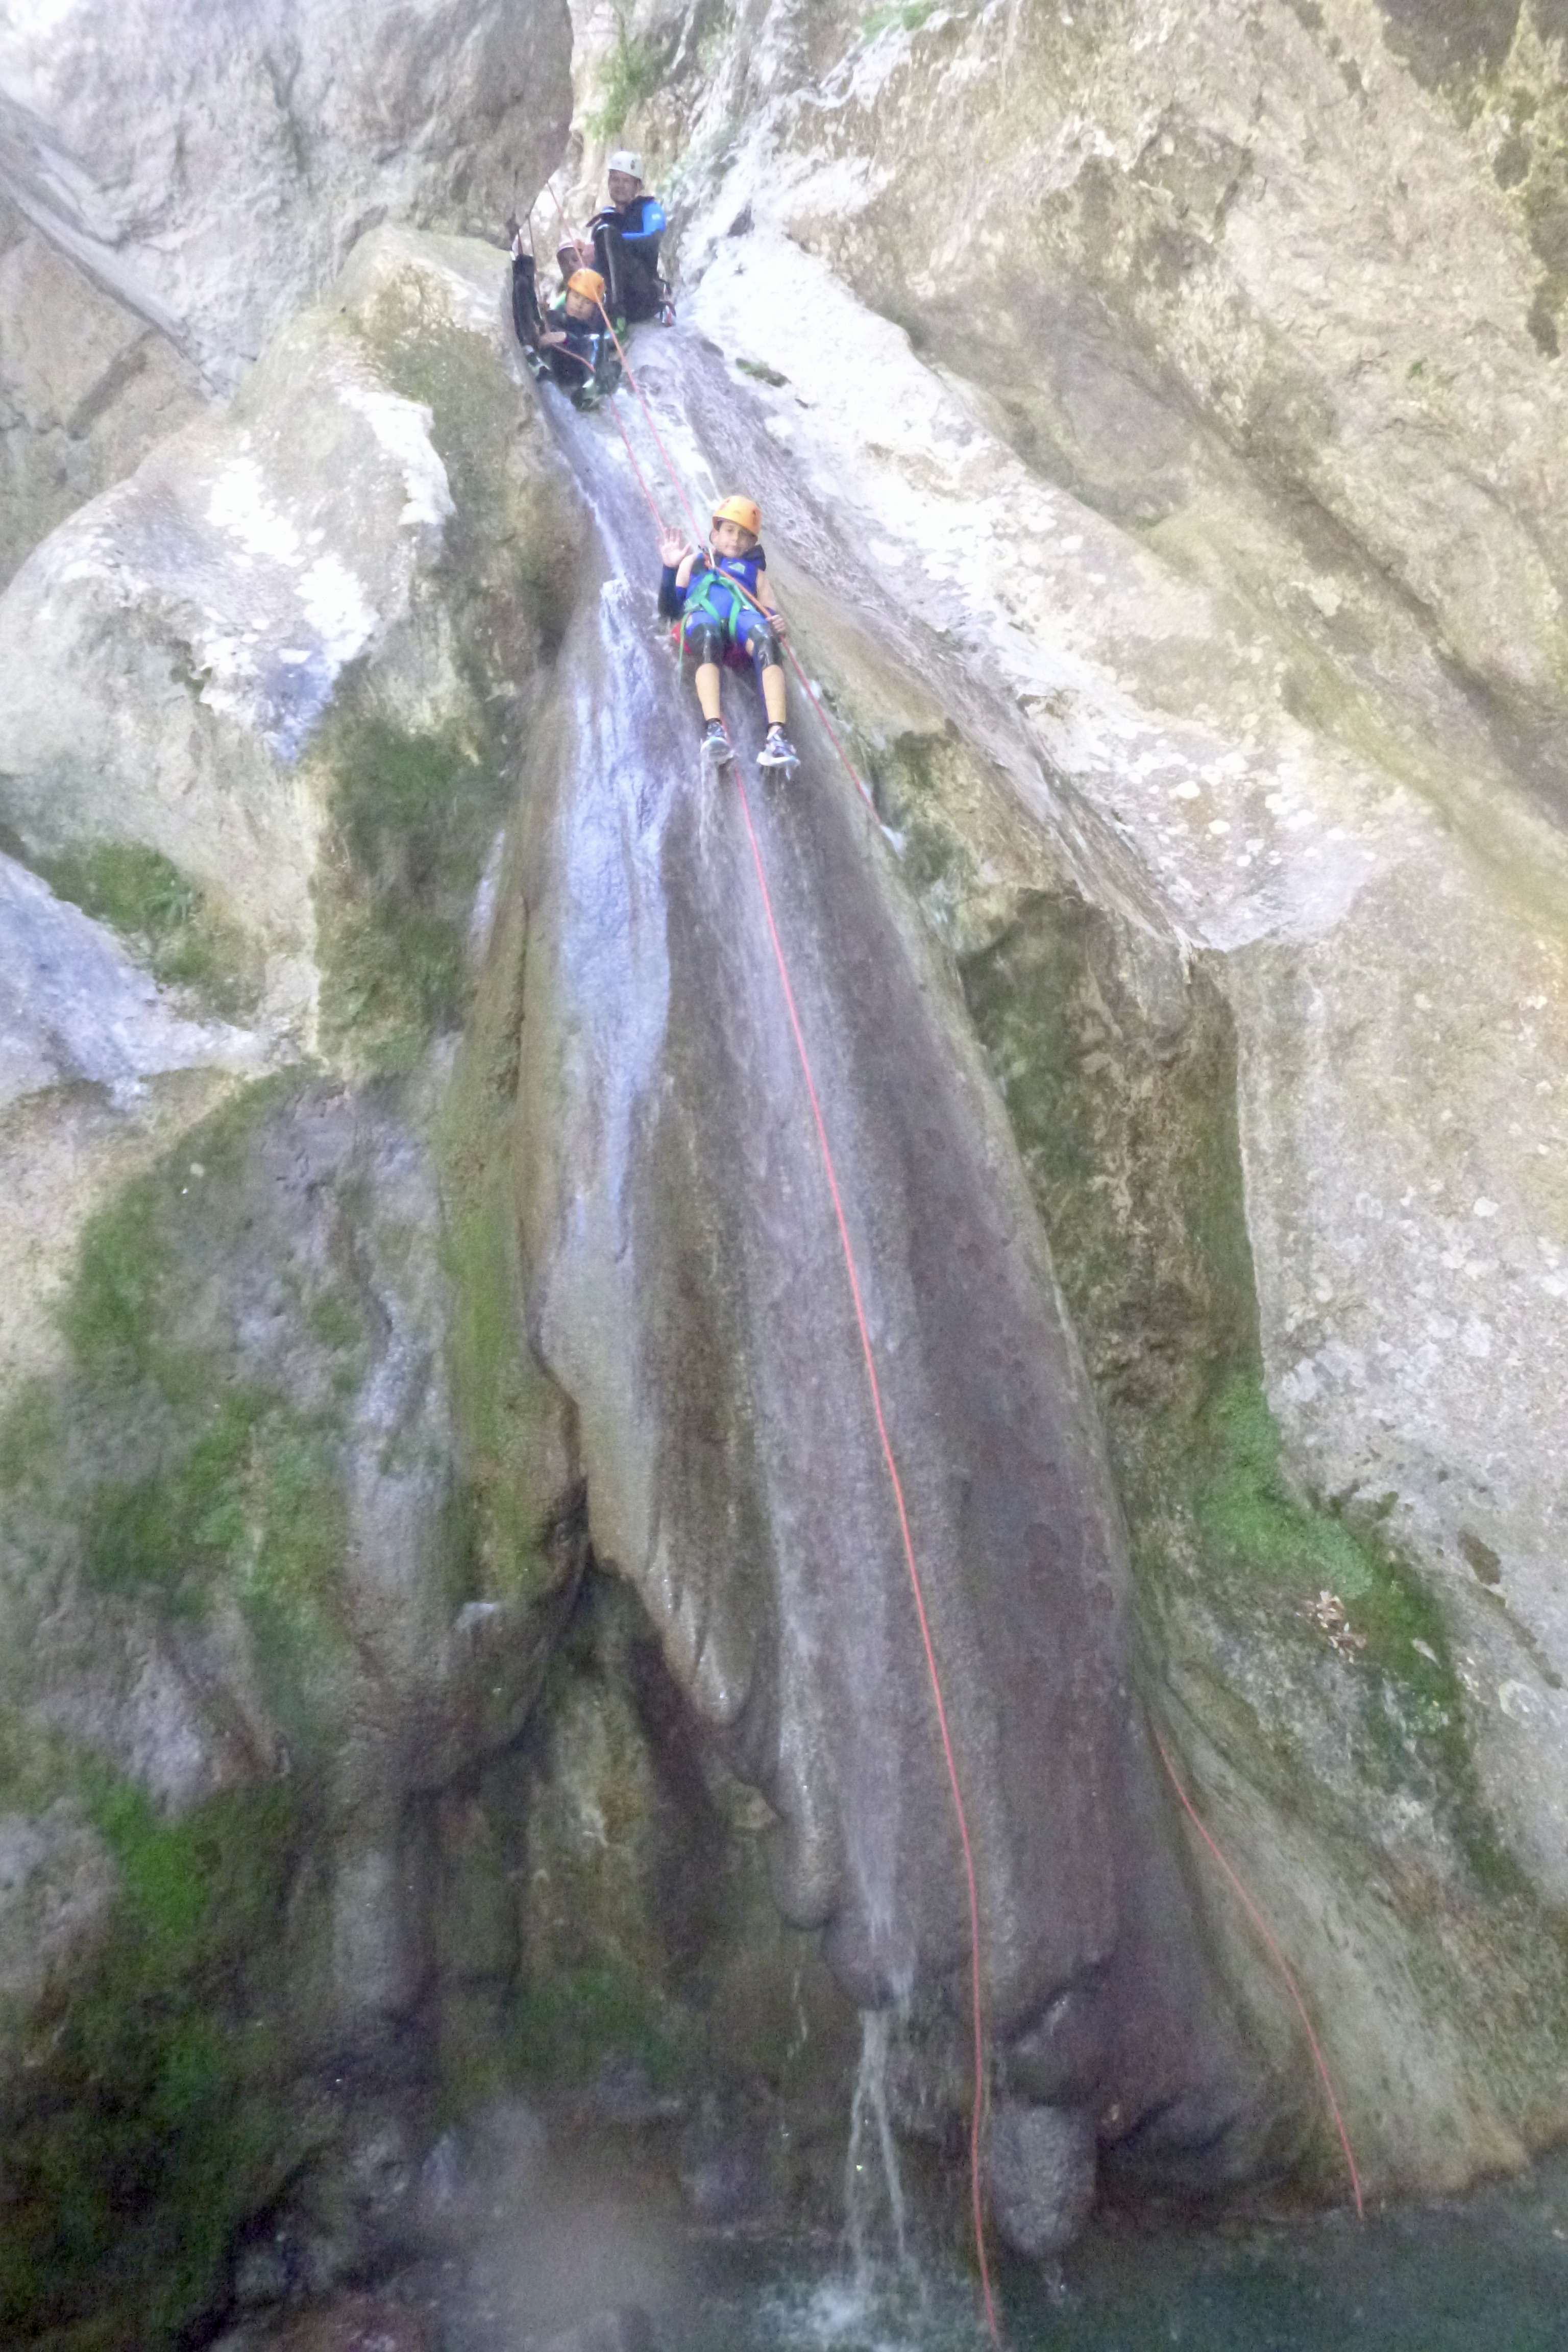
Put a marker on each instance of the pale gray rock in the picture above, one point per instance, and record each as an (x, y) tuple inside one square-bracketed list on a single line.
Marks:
[(75, 1009), (1040, 2171), (213, 166), (166, 656), (57, 1885), (86, 388)]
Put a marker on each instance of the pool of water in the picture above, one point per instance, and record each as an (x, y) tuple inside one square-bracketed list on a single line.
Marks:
[(1488, 2273)]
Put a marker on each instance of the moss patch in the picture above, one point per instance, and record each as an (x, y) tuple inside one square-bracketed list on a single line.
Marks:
[(413, 815), (162, 2126), (567, 2030), (1276, 1562), (513, 1423), (175, 1464), (910, 16), (166, 919)]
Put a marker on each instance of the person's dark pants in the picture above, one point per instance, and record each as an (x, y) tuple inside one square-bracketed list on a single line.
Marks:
[(635, 290)]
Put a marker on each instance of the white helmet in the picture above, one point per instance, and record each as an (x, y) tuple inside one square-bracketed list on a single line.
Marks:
[(623, 160)]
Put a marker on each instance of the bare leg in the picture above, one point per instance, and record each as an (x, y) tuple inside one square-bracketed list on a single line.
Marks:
[(707, 690), (772, 694)]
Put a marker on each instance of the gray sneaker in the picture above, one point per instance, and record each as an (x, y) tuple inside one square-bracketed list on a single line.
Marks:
[(778, 751), (717, 749)]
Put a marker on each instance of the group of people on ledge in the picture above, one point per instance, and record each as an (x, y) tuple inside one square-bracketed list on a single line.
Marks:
[(718, 595), (610, 280)]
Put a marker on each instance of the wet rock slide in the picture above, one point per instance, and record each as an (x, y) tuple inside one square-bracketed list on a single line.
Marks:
[(689, 1294)]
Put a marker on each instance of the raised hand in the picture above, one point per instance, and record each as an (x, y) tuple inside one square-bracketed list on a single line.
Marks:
[(673, 549)]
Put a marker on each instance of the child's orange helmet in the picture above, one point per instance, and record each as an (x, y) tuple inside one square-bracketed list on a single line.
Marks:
[(588, 283), (744, 511)]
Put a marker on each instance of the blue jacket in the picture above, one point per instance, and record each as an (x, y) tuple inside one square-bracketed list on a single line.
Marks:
[(627, 246), (706, 587)]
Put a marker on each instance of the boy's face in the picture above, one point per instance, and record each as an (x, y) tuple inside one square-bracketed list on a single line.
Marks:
[(730, 540), (579, 307)]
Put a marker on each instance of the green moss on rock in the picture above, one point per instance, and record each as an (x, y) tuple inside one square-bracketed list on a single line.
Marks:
[(168, 921), (164, 2062), (413, 816), (515, 1442), (566, 2031)]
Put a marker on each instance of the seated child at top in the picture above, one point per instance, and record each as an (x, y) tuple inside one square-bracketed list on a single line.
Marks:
[(572, 344)]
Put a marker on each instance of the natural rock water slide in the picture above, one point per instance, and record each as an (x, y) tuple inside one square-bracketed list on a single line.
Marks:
[(689, 1293)]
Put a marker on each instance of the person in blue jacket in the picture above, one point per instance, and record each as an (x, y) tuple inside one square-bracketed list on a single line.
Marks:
[(728, 617), (626, 236)]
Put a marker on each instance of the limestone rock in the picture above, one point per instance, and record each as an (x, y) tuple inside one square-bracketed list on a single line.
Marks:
[(1039, 2169), (1183, 396), (171, 652), (212, 168), (86, 387), (255, 1622)]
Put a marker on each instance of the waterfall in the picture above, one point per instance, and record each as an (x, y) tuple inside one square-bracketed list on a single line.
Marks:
[(873, 2186)]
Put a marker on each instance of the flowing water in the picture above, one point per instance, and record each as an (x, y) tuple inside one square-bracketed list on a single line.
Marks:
[(1488, 2274)]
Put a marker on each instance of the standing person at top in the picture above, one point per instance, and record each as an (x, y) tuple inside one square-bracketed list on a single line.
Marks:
[(626, 236), (726, 614)]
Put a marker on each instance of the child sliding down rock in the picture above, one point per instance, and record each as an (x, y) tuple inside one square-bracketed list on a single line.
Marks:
[(728, 617)]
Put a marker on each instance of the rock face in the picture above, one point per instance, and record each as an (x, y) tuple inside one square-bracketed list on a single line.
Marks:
[(258, 1620), (212, 167), (1181, 396), (691, 1296), (86, 387), (440, 1484)]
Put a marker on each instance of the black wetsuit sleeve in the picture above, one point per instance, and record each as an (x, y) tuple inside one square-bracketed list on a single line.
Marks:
[(671, 599)]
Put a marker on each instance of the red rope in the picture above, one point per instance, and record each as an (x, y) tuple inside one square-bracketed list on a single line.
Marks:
[(978, 2118), (642, 485), (1280, 1962)]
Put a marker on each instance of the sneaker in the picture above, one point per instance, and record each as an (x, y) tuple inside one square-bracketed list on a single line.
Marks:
[(717, 749), (778, 751)]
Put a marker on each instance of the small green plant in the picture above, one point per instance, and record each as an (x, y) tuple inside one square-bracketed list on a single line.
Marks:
[(911, 14), (634, 72), (762, 374)]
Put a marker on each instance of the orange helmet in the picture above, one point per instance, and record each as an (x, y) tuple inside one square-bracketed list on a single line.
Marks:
[(588, 283), (744, 511)]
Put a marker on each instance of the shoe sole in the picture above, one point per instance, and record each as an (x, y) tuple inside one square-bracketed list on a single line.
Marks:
[(778, 760), (717, 755)]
